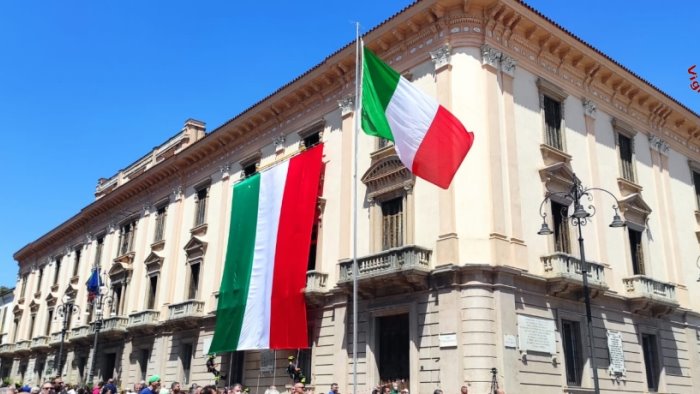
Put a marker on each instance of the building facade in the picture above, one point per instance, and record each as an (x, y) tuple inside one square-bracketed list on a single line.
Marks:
[(452, 283), (6, 298)]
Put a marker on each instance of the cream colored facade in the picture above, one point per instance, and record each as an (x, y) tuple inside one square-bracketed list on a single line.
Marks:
[(471, 269)]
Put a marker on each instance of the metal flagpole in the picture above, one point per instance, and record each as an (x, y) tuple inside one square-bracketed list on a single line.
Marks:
[(355, 270)]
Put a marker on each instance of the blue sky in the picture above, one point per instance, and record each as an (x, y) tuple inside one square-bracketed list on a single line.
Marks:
[(87, 87)]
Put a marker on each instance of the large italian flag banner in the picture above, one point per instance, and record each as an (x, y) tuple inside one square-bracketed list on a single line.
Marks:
[(429, 140), (261, 300)]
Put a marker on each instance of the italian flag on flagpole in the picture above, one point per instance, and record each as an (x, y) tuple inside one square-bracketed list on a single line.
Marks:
[(429, 140), (261, 300)]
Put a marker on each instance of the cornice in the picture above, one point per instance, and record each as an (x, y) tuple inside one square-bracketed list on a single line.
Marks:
[(404, 40)]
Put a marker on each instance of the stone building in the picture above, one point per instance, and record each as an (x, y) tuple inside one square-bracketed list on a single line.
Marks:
[(452, 282)]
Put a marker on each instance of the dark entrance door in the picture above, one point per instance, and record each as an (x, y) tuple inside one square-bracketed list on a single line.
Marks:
[(109, 363), (394, 347)]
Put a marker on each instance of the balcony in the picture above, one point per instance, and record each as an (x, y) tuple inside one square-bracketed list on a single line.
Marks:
[(22, 346), (55, 338), (112, 327), (316, 286), (650, 296), (186, 314), (407, 267), (563, 273), (81, 333), (144, 322), (7, 349), (40, 344)]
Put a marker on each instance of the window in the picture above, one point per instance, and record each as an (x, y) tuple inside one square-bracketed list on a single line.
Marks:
[(250, 169), (201, 207), (193, 290), (392, 223), (651, 361), (383, 143), (636, 251), (312, 139), (126, 238), (76, 263), (48, 323), (152, 290), (552, 123), (696, 181), (311, 264), (4, 313), (562, 240), (15, 330), (143, 362), (571, 344), (117, 297), (32, 320), (23, 290), (186, 360), (82, 361), (626, 152), (57, 272), (160, 224), (41, 277), (98, 250)]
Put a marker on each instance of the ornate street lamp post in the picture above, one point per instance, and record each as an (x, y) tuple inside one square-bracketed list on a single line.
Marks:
[(99, 303), (64, 310), (579, 218)]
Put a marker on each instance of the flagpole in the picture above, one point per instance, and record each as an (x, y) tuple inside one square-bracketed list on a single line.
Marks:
[(355, 270)]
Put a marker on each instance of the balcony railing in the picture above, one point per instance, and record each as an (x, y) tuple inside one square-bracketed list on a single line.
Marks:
[(186, 309), (40, 342), (7, 348), (564, 268), (404, 258), (22, 346), (111, 324), (143, 319), (55, 338), (650, 294), (316, 282), (80, 332)]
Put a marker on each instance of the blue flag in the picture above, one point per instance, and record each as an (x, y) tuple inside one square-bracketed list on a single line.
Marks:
[(94, 284)]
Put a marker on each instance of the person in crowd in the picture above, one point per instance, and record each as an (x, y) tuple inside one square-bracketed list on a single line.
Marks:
[(10, 390), (394, 387), (298, 388), (194, 389), (153, 385), (334, 388), (404, 391), (98, 389), (58, 386), (237, 388), (272, 390), (209, 389), (35, 390), (437, 391), (175, 388), (386, 389), (464, 390), (70, 389), (109, 387)]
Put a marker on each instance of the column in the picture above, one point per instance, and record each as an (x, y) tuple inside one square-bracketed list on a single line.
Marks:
[(500, 246), (447, 248), (347, 150), (449, 315), (517, 242)]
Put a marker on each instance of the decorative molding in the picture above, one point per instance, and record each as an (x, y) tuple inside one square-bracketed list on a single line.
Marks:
[(147, 208), (508, 65), (490, 56), (279, 143), (441, 56), (589, 108), (347, 105), (177, 193), (658, 144), (225, 171), (387, 176)]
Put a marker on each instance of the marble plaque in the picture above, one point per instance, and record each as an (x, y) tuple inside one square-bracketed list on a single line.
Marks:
[(537, 334), (448, 340), (267, 361), (617, 355)]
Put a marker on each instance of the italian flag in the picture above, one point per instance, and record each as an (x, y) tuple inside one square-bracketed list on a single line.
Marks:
[(428, 139), (261, 300)]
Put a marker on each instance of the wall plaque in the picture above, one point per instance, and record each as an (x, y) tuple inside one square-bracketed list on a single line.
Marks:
[(267, 361), (617, 355), (536, 334), (448, 340)]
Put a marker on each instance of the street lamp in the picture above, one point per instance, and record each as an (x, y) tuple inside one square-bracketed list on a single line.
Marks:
[(65, 310), (579, 218), (98, 304)]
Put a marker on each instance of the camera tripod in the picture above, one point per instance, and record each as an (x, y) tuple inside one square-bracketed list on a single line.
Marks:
[(494, 381)]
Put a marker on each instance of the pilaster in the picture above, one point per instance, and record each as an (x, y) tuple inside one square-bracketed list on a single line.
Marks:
[(500, 245), (447, 248), (348, 131)]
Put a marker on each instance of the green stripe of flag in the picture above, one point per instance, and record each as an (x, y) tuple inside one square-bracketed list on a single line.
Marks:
[(239, 261), (379, 82)]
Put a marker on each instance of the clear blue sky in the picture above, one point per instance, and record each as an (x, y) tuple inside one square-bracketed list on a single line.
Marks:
[(87, 87)]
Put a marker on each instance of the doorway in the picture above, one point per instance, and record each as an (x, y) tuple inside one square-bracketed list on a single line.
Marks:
[(394, 346), (109, 363)]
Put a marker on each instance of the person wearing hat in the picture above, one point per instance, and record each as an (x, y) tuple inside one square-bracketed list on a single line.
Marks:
[(153, 385), (295, 372)]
